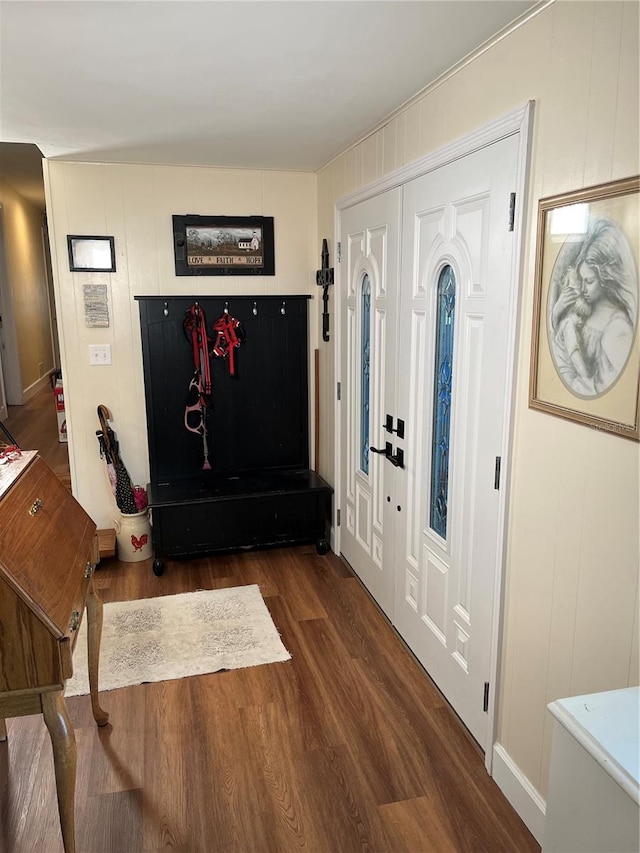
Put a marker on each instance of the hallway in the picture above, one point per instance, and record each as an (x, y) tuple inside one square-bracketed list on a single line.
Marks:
[(34, 427)]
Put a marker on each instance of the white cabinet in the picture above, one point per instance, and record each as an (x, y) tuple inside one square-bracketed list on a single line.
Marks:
[(594, 792)]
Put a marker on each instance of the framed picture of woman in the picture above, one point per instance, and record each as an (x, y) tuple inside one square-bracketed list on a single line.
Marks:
[(585, 354)]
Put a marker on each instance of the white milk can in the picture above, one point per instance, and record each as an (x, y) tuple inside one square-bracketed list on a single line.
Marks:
[(133, 535)]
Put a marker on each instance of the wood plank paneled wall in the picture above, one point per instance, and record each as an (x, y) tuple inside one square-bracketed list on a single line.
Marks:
[(135, 204)]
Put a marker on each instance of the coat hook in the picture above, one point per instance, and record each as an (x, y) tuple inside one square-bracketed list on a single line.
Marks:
[(255, 309), (283, 310), (165, 310), (226, 307)]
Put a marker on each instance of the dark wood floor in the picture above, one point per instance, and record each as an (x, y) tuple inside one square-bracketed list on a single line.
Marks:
[(346, 747)]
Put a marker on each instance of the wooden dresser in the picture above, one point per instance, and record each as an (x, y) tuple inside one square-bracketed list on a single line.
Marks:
[(48, 551)]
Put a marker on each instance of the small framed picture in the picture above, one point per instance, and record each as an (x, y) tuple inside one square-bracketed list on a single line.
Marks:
[(585, 352), (91, 254)]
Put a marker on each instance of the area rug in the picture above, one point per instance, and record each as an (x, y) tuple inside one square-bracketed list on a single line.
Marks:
[(156, 639)]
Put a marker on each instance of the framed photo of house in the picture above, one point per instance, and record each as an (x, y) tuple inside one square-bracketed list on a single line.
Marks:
[(223, 245), (91, 254), (585, 353)]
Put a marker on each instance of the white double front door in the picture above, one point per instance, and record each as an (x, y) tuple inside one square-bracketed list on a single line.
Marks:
[(425, 369)]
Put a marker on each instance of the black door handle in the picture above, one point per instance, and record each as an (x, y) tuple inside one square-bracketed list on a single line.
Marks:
[(386, 451), (397, 460)]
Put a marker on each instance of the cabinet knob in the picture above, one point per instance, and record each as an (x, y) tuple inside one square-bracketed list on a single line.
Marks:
[(75, 620), (35, 506)]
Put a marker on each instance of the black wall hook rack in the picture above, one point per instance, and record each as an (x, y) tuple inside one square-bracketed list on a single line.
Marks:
[(324, 278)]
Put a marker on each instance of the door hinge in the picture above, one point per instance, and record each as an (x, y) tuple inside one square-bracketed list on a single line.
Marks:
[(338, 390), (338, 518), (512, 210), (496, 475), (485, 704), (338, 252)]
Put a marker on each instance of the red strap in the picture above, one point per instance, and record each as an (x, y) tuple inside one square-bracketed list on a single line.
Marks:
[(195, 325)]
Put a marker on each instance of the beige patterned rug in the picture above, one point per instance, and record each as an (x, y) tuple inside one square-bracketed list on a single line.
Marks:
[(156, 639)]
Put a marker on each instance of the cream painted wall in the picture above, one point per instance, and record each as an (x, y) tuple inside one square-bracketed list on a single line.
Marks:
[(26, 322), (572, 568), (135, 204)]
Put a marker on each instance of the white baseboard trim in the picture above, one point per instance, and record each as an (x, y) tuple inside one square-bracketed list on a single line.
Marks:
[(519, 791), (32, 390)]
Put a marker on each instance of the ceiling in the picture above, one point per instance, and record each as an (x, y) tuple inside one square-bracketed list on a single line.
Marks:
[(239, 84)]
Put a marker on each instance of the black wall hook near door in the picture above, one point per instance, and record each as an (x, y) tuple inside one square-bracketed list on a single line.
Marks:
[(324, 277)]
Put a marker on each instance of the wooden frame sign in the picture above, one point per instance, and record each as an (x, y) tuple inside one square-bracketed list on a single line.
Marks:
[(223, 245)]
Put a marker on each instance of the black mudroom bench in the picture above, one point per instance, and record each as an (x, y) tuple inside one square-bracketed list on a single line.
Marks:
[(260, 491)]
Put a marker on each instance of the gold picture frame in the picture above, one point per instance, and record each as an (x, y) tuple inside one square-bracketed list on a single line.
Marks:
[(585, 351)]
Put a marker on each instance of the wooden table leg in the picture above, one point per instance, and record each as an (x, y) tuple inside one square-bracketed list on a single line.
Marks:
[(94, 633), (3, 730), (63, 741)]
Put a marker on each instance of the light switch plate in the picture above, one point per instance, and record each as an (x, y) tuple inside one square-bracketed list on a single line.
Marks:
[(99, 353)]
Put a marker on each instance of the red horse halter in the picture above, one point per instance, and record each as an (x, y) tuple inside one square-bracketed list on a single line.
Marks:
[(229, 332)]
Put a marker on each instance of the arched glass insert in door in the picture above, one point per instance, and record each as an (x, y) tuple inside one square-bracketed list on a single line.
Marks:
[(365, 355), (443, 383)]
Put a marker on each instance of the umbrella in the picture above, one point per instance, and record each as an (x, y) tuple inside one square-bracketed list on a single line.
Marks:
[(118, 476)]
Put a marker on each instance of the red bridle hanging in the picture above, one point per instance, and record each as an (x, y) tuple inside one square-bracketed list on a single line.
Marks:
[(195, 328), (229, 336)]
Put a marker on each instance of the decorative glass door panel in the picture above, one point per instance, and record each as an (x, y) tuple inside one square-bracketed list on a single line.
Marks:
[(365, 371), (442, 382)]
